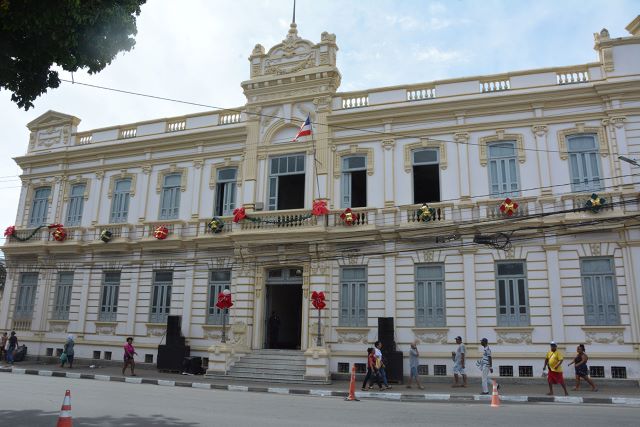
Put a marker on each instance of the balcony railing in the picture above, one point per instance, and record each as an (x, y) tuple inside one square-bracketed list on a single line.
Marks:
[(288, 219), (361, 217), (411, 213)]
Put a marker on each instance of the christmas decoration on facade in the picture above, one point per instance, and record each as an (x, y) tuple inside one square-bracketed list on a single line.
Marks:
[(508, 207), (59, 234), (317, 299), (348, 216), (224, 303), (216, 225), (106, 236), (58, 230), (595, 203), (319, 208), (239, 214), (425, 213), (161, 232)]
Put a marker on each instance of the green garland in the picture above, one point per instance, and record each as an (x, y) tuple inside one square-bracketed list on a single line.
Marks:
[(29, 237)]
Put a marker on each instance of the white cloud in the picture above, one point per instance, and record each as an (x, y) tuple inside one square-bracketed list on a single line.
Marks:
[(433, 54)]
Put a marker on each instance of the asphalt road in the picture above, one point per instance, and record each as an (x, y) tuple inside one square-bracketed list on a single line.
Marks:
[(35, 401)]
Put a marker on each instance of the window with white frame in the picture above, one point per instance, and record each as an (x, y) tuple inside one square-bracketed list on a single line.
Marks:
[(503, 169), (170, 197), (120, 201), (62, 296), (226, 191), (219, 280), (599, 291), (286, 182), (584, 163), (39, 206), (426, 176), (354, 181), (430, 295), (109, 296), (26, 296), (161, 296), (353, 296), (512, 290), (76, 204)]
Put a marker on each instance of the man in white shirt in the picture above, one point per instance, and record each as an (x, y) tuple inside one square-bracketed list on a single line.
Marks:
[(486, 365), (459, 364), (383, 373)]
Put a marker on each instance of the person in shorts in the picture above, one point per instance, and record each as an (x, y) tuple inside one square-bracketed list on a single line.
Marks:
[(554, 360), (582, 370), (414, 361), (459, 364)]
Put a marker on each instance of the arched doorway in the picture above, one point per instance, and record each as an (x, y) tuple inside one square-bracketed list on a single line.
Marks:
[(283, 308)]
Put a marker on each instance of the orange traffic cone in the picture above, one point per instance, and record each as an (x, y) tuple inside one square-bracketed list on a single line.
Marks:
[(495, 398), (352, 386), (64, 420)]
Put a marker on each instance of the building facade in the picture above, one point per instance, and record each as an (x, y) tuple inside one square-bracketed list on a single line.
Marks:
[(431, 241)]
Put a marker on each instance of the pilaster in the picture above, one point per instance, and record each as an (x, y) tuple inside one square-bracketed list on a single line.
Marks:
[(389, 176), (143, 191), (462, 145), (196, 179), (555, 293), (97, 189), (542, 156), (468, 261)]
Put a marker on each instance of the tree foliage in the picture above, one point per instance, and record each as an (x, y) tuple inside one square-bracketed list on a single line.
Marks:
[(37, 35)]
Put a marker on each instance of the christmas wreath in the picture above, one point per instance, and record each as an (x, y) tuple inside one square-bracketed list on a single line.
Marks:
[(508, 207), (595, 203)]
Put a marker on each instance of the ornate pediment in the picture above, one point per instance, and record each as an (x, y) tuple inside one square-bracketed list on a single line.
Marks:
[(51, 130)]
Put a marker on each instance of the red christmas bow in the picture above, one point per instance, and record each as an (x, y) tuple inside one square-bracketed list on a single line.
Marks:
[(349, 217), (224, 301), (10, 231), (317, 299), (161, 232), (239, 214), (319, 208), (60, 234), (508, 207)]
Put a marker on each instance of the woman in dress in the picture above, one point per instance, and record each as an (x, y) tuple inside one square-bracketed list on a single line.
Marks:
[(129, 352), (582, 370)]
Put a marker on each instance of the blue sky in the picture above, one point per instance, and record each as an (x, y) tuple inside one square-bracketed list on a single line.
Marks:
[(197, 51)]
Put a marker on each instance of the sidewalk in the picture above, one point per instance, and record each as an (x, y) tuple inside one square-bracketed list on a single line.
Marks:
[(628, 393)]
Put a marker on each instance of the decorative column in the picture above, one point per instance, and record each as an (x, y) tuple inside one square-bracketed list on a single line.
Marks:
[(389, 177), (196, 179), (136, 268), (462, 145), (56, 215), (143, 191), (622, 149), (390, 279), (97, 192), (631, 260), (21, 219), (542, 156), (84, 299), (468, 262), (250, 166), (187, 302), (321, 134), (555, 293)]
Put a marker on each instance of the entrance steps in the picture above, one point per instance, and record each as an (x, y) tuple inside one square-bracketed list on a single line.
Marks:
[(272, 366)]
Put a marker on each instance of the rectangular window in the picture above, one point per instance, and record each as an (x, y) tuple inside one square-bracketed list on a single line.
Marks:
[(512, 290), (430, 297), (170, 197), (596, 371), (426, 176), (584, 163), (505, 371), (161, 296), (353, 296), (62, 296), (503, 170), (26, 296), (39, 207), (120, 201), (109, 296), (354, 182), (226, 192), (286, 182), (599, 291), (525, 371), (76, 205), (440, 370), (219, 280)]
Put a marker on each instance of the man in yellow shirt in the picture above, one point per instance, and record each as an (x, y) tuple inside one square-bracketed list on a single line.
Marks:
[(554, 362)]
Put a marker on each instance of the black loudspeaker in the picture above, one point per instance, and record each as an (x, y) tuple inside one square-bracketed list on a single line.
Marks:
[(192, 365), (386, 333), (170, 357), (393, 365), (174, 325)]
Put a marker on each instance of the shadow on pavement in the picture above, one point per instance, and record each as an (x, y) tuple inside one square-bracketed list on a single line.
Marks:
[(36, 418)]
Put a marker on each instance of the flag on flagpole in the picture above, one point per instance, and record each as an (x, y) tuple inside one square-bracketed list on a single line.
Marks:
[(305, 129)]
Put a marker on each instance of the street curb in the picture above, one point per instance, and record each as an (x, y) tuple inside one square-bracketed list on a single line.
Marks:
[(426, 397)]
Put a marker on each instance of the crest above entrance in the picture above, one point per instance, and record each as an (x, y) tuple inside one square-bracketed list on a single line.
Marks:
[(297, 65)]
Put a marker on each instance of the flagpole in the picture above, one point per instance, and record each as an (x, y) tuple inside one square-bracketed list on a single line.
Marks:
[(315, 165)]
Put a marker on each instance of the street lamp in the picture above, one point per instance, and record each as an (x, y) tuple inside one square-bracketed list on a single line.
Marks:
[(224, 303), (628, 160)]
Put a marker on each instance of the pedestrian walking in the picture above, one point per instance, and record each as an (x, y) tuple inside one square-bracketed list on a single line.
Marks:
[(414, 361), (4, 343), (129, 352), (582, 370), (68, 352), (380, 364), (13, 345), (554, 360), (372, 372), (458, 357), (485, 364)]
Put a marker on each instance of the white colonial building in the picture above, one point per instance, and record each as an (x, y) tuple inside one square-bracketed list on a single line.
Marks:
[(546, 138)]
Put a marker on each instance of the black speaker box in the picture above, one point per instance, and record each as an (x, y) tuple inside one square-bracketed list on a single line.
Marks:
[(385, 324), (192, 365), (174, 324), (170, 357), (393, 365), (386, 334)]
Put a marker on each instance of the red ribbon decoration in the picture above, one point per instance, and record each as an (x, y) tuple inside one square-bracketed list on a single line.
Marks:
[(59, 234), (508, 207), (224, 301), (239, 214), (349, 217), (10, 231), (317, 299), (319, 208), (161, 232)]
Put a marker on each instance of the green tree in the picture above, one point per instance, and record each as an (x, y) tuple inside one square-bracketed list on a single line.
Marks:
[(36, 35)]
